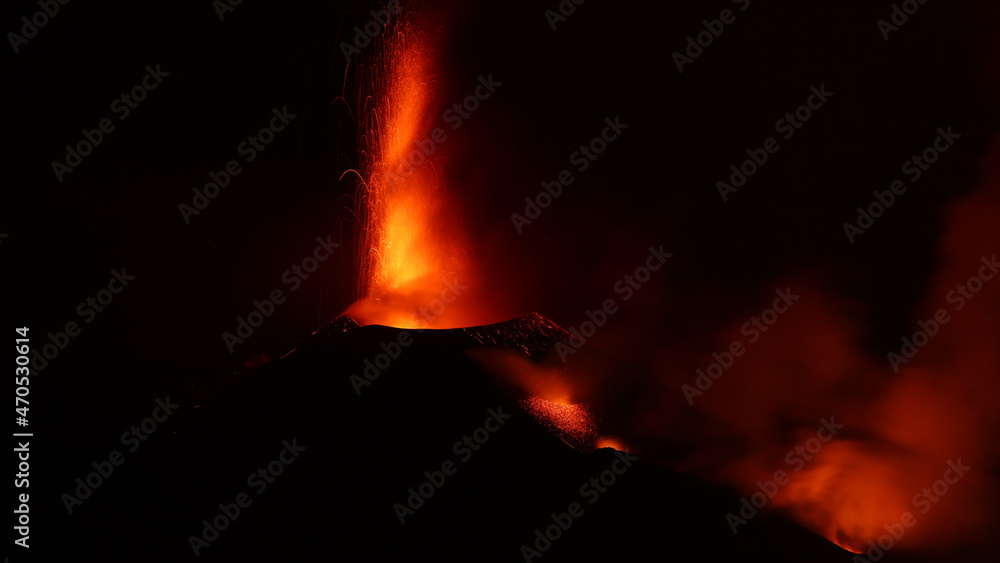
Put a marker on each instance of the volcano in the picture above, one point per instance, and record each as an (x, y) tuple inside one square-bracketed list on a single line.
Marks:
[(432, 456)]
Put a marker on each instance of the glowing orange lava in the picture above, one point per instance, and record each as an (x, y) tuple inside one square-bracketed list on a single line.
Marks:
[(574, 423), (608, 442), (549, 398), (414, 270)]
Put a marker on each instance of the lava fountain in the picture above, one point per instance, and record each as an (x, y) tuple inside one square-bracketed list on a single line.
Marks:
[(416, 269), (414, 258)]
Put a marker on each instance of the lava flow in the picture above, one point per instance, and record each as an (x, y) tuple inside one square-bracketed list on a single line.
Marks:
[(913, 466)]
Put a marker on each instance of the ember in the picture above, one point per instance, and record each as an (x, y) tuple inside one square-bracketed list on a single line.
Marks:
[(413, 249), (573, 423)]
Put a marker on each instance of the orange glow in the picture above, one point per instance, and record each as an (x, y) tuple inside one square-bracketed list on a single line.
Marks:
[(416, 271), (607, 442), (549, 399), (573, 423), (552, 384), (413, 249), (848, 493), (902, 428)]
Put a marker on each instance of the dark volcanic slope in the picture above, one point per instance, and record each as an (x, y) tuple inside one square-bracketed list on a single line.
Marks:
[(360, 453)]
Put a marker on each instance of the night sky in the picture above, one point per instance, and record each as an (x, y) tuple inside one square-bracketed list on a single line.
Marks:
[(655, 185)]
